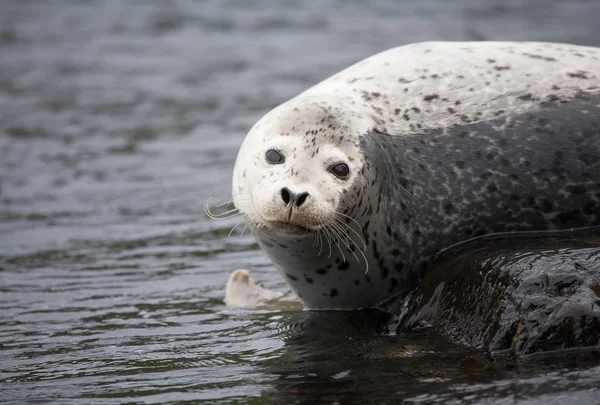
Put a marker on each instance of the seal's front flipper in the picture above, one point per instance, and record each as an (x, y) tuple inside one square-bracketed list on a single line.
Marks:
[(243, 292)]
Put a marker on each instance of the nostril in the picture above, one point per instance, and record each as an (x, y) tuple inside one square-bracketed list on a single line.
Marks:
[(289, 197), (300, 198), (285, 195)]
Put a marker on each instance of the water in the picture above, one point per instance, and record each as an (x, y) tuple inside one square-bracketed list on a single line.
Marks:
[(118, 122)]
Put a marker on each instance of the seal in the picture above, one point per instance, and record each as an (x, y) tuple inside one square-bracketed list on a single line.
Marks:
[(352, 187)]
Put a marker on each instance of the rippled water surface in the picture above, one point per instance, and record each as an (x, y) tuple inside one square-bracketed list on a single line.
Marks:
[(119, 120)]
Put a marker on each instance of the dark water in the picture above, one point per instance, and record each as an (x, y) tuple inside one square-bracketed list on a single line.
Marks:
[(118, 121)]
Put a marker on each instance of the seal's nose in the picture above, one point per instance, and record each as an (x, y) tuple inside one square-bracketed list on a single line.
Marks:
[(289, 197)]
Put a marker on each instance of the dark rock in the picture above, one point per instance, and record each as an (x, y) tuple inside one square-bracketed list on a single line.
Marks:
[(519, 295)]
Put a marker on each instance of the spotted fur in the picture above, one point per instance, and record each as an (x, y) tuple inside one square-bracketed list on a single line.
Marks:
[(445, 142)]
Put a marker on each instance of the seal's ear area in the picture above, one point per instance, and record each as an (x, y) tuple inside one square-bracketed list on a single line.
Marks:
[(382, 154), (382, 151)]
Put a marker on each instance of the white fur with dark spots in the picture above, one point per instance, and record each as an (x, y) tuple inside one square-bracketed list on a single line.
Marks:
[(444, 141)]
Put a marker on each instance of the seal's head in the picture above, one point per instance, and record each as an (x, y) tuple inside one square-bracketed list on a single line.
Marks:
[(296, 167), (300, 179)]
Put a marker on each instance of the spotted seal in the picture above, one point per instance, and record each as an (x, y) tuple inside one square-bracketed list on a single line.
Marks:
[(353, 186)]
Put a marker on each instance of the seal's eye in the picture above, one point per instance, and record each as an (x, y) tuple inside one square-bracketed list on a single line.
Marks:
[(340, 170), (274, 157)]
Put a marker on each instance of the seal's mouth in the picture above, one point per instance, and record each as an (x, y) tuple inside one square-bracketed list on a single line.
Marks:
[(288, 228)]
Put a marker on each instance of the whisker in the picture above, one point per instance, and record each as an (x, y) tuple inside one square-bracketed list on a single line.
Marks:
[(336, 238), (224, 203), (318, 235), (326, 235), (245, 227), (224, 215), (347, 237), (316, 239), (352, 229), (232, 229), (338, 130), (341, 222), (341, 232)]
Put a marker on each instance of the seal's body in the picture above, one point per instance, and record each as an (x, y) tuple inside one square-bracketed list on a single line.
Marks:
[(353, 186)]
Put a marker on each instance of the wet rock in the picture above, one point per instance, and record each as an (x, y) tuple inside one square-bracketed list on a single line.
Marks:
[(525, 295)]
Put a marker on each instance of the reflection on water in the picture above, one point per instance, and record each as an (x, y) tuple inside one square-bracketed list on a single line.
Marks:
[(118, 121), (349, 358)]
